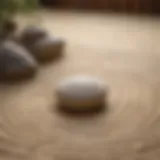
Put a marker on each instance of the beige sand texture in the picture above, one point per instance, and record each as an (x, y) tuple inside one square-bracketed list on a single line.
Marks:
[(122, 50)]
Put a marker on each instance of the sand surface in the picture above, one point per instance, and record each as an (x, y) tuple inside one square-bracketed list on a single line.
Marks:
[(124, 51)]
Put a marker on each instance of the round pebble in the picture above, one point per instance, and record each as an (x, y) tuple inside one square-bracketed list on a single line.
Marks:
[(47, 48), (31, 34), (81, 93)]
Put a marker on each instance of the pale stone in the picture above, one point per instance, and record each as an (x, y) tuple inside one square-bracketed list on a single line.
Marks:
[(81, 93)]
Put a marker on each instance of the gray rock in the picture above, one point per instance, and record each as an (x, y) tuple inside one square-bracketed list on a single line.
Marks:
[(47, 48), (31, 34), (15, 62)]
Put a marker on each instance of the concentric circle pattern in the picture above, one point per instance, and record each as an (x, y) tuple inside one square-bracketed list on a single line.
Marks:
[(122, 51)]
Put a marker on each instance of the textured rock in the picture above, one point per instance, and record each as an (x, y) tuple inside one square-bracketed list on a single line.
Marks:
[(15, 62), (81, 93), (31, 34), (47, 48)]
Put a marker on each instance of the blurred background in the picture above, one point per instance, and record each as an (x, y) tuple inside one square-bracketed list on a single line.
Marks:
[(136, 6)]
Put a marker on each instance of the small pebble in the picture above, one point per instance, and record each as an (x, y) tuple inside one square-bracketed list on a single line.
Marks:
[(31, 34), (81, 93), (47, 48)]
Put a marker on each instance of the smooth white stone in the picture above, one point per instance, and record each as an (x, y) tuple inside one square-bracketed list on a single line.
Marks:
[(81, 93)]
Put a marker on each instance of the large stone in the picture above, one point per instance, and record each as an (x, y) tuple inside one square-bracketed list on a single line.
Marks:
[(31, 34), (81, 94), (47, 48), (15, 62)]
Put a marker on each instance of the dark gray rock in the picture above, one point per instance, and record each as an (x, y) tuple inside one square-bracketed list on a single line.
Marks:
[(15, 62)]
